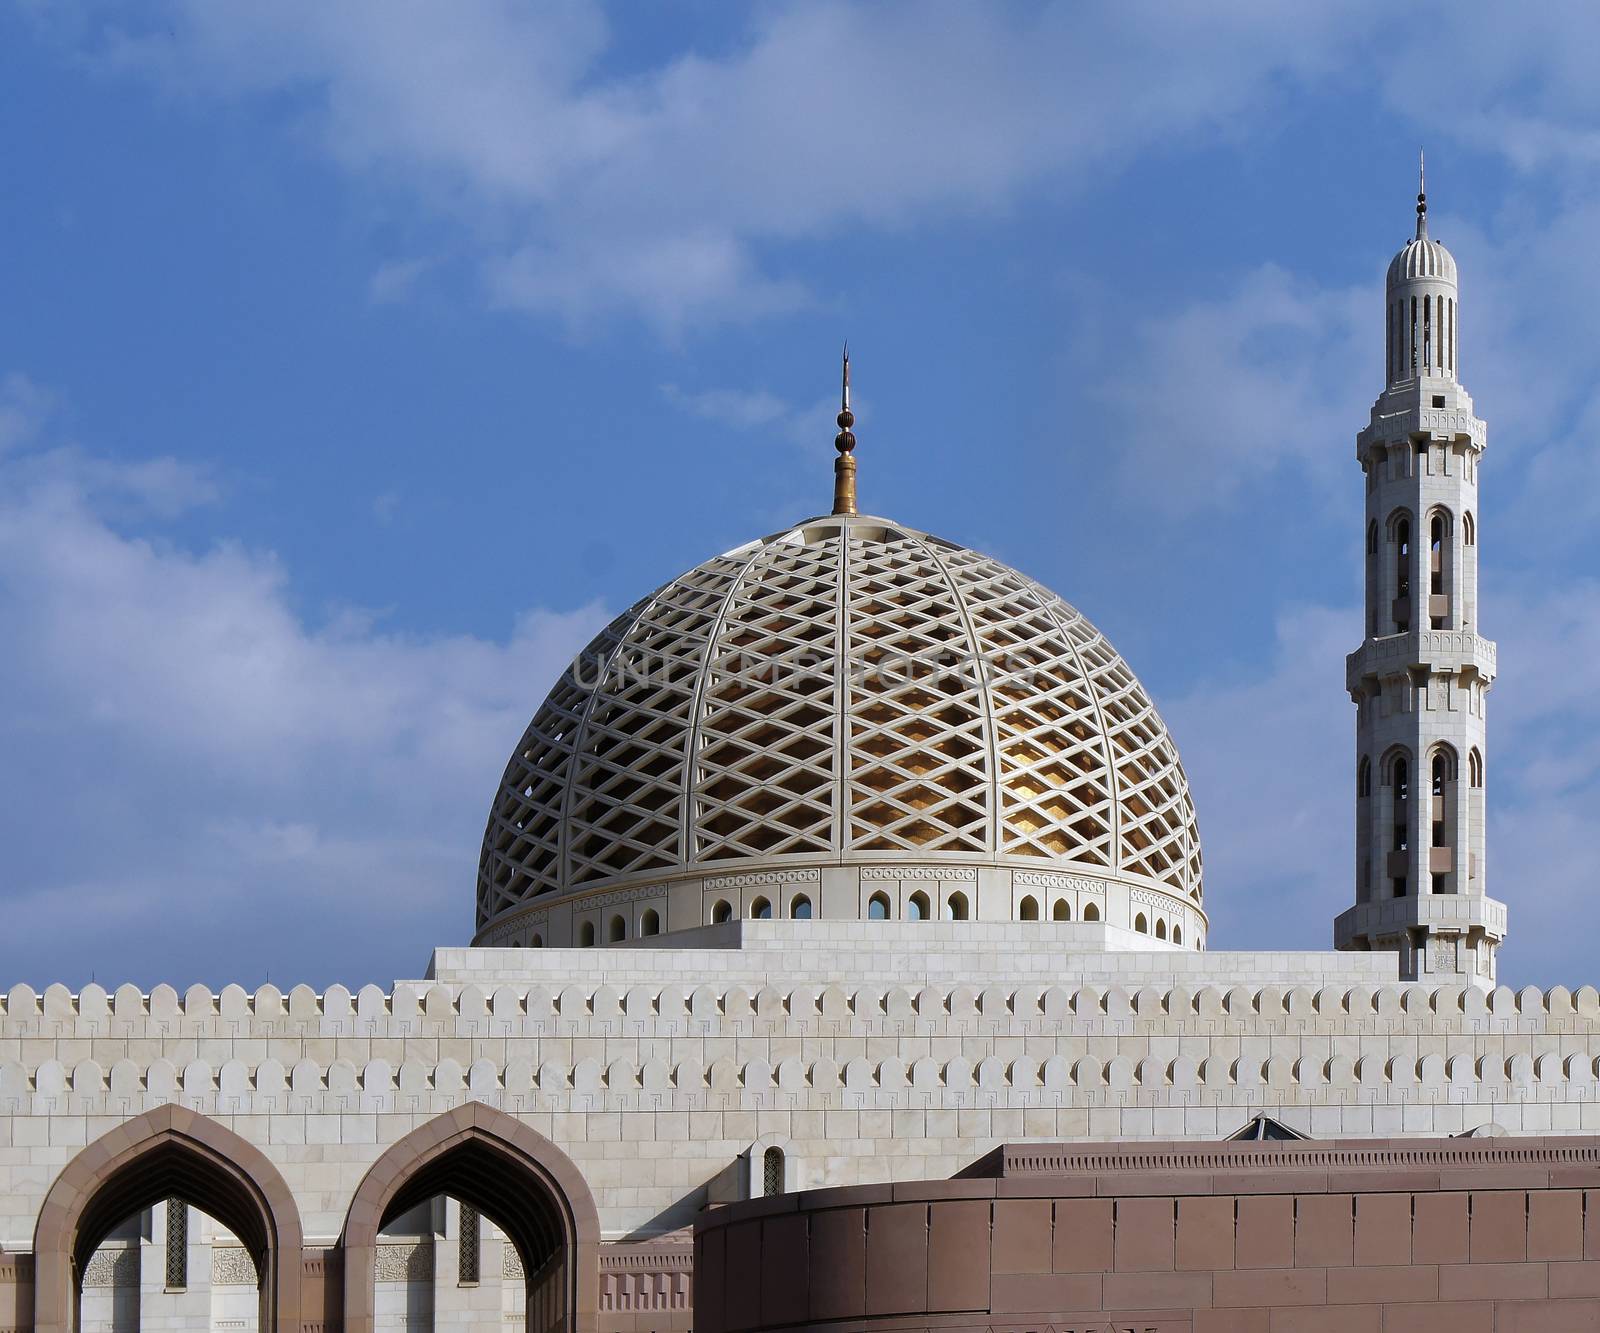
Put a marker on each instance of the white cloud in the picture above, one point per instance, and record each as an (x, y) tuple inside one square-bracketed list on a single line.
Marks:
[(1216, 399), (394, 282), (669, 190), (742, 409), (757, 410), (1268, 754), (24, 406), (194, 771)]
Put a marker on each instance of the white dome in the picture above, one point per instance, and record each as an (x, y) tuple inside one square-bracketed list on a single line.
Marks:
[(848, 693), (1422, 259)]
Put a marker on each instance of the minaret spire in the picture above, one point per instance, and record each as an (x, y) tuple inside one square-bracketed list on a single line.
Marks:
[(844, 466), (1422, 196)]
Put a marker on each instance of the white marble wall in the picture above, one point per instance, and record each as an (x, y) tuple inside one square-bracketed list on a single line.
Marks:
[(656, 1070)]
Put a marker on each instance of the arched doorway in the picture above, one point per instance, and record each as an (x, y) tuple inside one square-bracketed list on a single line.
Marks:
[(167, 1153), (513, 1176)]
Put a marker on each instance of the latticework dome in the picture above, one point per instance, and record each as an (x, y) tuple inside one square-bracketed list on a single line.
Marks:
[(847, 693)]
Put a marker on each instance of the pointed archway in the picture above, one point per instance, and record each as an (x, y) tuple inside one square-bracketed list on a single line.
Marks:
[(167, 1152), (517, 1179)]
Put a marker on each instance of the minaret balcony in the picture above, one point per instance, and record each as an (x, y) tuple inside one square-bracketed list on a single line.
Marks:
[(1441, 913), (1406, 413), (1454, 650)]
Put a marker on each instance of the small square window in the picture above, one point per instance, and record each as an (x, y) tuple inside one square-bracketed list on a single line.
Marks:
[(1438, 400)]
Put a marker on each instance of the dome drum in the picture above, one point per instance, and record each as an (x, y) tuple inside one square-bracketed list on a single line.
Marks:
[(948, 891)]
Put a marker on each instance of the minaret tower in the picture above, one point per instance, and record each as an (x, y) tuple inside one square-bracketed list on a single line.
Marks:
[(1422, 674)]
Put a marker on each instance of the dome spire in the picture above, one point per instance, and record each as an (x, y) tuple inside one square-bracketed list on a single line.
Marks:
[(1422, 196), (844, 466)]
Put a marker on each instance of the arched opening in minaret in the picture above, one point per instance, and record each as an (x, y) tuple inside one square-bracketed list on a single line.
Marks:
[(1438, 571), (1474, 810), (1363, 830), (1402, 574), (1441, 854), (1399, 790)]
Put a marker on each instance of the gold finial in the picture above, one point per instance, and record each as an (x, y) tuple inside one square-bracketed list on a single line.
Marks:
[(844, 466), (1422, 195)]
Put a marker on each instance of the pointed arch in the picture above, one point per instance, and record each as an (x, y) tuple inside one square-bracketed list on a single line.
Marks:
[(511, 1174), (170, 1151)]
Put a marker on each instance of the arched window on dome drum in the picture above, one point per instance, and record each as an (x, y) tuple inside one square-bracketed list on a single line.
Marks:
[(721, 912), (761, 910), (955, 907), (586, 935), (537, 942), (1030, 908), (618, 930), (1063, 910), (650, 922), (800, 908), (877, 908), (1091, 912), (1177, 934), (772, 1172), (1161, 929), (1141, 925), (917, 908)]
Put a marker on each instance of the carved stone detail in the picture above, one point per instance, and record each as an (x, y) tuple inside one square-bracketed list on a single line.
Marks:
[(232, 1266), (411, 1261), (117, 1267)]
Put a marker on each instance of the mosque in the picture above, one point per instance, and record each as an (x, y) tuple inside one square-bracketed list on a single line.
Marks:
[(842, 961)]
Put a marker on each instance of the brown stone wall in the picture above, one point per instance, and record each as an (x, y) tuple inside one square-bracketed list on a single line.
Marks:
[(16, 1292), (1494, 1238)]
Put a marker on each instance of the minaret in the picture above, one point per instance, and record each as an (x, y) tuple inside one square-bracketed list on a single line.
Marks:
[(1422, 674)]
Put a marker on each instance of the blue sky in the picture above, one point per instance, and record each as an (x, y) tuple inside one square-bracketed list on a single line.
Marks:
[(357, 360)]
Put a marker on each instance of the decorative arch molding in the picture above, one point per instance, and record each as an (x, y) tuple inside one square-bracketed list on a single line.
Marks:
[(1391, 756), (511, 1174), (168, 1151)]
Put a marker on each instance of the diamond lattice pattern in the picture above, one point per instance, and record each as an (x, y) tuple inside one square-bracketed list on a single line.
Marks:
[(843, 688)]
